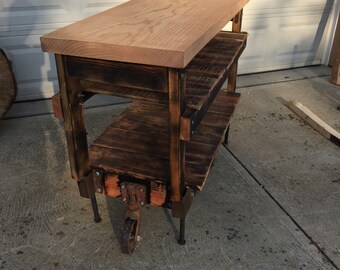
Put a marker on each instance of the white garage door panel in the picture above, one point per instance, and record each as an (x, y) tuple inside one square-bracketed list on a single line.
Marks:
[(22, 22), (283, 34), (93, 6), (24, 12)]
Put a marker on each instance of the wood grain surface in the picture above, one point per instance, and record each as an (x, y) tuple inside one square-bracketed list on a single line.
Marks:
[(8, 87), (155, 32)]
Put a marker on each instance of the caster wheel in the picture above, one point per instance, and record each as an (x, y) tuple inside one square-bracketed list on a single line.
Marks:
[(129, 237)]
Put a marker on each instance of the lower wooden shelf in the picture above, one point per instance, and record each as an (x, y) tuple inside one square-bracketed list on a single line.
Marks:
[(137, 143)]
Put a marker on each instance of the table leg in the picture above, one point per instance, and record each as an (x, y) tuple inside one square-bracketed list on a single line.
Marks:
[(231, 87), (71, 101)]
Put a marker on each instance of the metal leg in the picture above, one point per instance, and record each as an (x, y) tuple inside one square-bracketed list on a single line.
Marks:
[(181, 239), (96, 215), (226, 136)]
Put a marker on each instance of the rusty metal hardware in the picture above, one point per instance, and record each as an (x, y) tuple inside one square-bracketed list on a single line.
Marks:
[(181, 208), (98, 181), (134, 195)]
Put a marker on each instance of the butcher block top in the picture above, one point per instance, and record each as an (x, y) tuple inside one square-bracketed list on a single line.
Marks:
[(153, 32)]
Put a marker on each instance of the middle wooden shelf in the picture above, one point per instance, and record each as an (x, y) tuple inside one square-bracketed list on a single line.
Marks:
[(136, 144)]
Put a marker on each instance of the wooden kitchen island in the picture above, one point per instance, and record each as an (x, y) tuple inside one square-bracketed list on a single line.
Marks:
[(171, 58)]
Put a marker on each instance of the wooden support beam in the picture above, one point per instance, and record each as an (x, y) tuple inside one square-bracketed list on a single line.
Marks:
[(236, 27), (74, 128), (176, 80), (57, 107), (314, 121), (237, 22)]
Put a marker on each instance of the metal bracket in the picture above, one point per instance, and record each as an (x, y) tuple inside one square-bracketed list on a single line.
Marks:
[(181, 208), (86, 186), (98, 181), (134, 195)]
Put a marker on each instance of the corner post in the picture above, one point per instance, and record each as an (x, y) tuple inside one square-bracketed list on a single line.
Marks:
[(231, 86), (236, 27), (176, 86), (71, 102)]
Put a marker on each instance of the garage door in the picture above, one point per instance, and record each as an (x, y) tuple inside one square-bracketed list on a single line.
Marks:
[(283, 34)]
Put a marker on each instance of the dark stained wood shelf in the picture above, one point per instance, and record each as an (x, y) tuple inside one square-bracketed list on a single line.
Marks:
[(206, 74), (136, 144)]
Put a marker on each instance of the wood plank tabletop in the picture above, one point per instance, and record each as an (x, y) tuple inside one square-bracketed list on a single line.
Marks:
[(154, 32)]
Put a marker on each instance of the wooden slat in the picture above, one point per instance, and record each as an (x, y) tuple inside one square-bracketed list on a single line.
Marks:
[(118, 74), (314, 121), (128, 122), (149, 144), (139, 165), (128, 92), (156, 32)]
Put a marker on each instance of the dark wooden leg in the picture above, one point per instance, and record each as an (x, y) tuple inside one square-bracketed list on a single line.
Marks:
[(181, 239), (72, 110), (74, 126), (236, 27), (96, 215), (231, 87), (176, 146), (237, 22)]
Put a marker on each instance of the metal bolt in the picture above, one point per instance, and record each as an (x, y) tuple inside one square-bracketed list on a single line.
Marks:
[(97, 173), (141, 203), (98, 190), (122, 186), (124, 199), (141, 190)]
